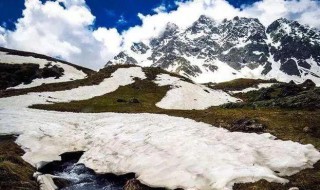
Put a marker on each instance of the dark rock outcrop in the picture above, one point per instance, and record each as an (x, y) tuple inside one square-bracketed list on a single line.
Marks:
[(239, 43), (15, 74), (247, 126)]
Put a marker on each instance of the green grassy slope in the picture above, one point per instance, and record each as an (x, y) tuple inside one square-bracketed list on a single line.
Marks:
[(286, 124)]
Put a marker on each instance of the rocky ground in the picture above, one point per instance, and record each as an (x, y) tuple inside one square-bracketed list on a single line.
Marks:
[(284, 95)]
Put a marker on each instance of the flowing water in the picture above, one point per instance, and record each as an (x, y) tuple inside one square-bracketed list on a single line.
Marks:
[(73, 176)]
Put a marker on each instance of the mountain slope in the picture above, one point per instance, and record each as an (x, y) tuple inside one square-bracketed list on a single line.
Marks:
[(209, 51), (139, 90), (174, 143), (19, 69), (179, 93)]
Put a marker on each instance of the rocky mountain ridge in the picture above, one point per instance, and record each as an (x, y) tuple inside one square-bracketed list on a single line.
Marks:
[(209, 51)]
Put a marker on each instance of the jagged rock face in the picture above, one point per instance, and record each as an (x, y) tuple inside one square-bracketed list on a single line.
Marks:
[(139, 48), (244, 43), (123, 58), (296, 47), (208, 51)]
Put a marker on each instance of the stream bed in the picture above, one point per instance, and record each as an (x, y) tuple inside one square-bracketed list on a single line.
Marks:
[(69, 175)]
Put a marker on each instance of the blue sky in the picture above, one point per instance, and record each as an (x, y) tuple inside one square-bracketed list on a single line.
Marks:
[(120, 14)]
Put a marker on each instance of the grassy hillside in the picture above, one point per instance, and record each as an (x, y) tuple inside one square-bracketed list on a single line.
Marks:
[(40, 56), (301, 126), (238, 84), (15, 173)]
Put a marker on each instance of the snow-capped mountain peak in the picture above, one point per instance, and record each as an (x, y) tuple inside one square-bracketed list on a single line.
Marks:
[(210, 51)]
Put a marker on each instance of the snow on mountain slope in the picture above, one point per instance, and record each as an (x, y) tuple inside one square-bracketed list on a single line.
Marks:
[(209, 51), (121, 77), (178, 153), (258, 87), (187, 96), (43, 66), (183, 95)]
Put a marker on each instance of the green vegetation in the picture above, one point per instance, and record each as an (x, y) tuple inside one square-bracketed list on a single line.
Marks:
[(15, 173), (93, 79), (40, 56), (141, 97), (15, 74), (288, 96), (239, 84)]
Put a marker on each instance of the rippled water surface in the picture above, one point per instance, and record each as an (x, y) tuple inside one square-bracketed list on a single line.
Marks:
[(73, 176)]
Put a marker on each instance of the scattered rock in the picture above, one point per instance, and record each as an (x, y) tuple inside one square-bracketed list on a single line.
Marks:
[(132, 185), (312, 130), (121, 100), (61, 182), (307, 130), (248, 126), (308, 84), (134, 101)]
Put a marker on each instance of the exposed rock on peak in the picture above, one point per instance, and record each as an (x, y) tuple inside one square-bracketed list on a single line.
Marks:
[(209, 51)]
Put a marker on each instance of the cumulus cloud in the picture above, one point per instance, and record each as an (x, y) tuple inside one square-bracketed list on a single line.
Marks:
[(64, 28), (122, 20), (304, 11), (267, 11), (111, 40), (186, 13)]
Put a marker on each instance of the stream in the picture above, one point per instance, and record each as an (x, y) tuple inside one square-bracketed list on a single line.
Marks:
[(73, 176)]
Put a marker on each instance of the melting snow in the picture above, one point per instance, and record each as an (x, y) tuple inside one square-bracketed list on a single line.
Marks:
[(187, 96), (121, 77), (70, 72), (262, 85), (277, 74), (163, 151)]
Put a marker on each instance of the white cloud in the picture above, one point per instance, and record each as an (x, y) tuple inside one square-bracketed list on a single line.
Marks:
[(267, 11), (304, 11), (121, 20), (184, 16), (159, 9), (2, 36), (111, 40), (64, 27)]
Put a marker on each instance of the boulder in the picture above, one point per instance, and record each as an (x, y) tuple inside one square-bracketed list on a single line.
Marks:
[(248, 126), (134, 101)]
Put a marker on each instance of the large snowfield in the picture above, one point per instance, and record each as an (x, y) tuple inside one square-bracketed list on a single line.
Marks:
[(163, 151)]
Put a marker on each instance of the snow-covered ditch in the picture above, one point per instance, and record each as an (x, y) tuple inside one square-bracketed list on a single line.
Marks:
[(121, 77), (163, 151), (187, 96), (70, 72), (259, 86)]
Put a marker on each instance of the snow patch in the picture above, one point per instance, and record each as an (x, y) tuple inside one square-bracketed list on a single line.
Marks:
[(70, 72), (258, 87), (177, 153), (187, 96), (121, 77)]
